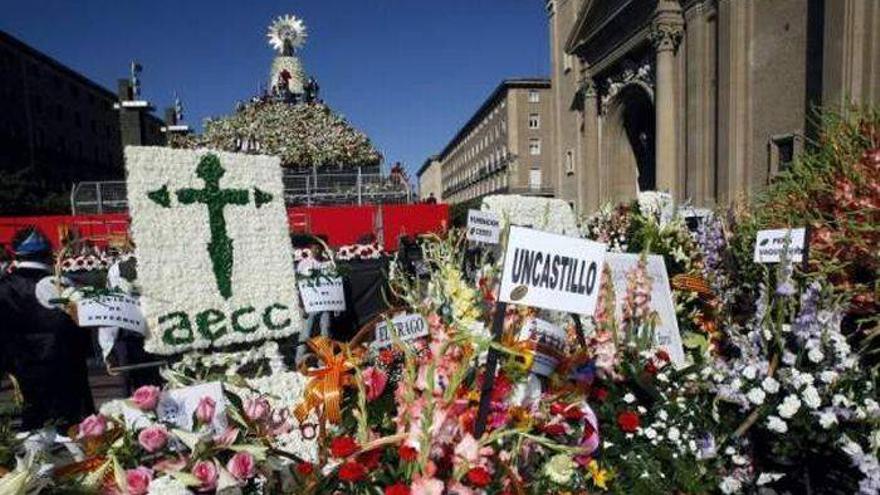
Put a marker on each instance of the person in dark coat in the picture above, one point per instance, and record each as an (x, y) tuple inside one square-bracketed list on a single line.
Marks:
[(41, 345)]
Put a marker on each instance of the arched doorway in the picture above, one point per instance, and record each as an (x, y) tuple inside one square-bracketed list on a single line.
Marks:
[(629, 142)]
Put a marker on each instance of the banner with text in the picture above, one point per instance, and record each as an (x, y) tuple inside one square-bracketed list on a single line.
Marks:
[(551, 271), (770, 243), (483, 226)]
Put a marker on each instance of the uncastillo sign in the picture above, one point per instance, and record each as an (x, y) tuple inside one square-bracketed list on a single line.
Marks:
[(483, 226), (551, 271), (770, 243)]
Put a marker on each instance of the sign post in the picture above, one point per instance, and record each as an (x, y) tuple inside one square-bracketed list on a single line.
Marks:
[(547, 271)]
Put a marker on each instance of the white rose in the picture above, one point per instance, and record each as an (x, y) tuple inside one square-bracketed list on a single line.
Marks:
[(756, 396), (789, 407), (770, 385), (774, 423)]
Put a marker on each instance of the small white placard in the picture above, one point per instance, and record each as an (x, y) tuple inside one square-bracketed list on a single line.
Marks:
[(666, 334), (483, 226), (111, 310), (322, 294), (549, 342), (770, 243), (177, 406), (551, 271), (408, 327)]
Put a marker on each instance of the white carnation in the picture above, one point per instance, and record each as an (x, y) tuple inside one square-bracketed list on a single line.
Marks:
[(756, 396), (827, 419), (789, 406), (770, 385), (651, 433), (750, 372), (774, 423), (730, 485), (674, 434), (815, 355), (811, 397), (828, 376), (629, 398)]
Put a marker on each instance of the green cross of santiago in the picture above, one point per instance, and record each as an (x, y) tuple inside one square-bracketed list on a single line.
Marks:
[(216, 199)]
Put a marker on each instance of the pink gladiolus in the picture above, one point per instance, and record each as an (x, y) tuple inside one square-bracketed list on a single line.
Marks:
[(468, 450), (138, 480), (207, 474), (153, 438), (205, 410), (146, 397), (242, 466), (256, 409), (93, 426), (375, 381)]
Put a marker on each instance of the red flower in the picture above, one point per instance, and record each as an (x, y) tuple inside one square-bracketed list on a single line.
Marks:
[(343, 447), (352, 471), (554, 429), (663, 355), (479, 477), (628, 421), (397, 489), (651, 368), (574, 414), (407, 453), (305, 468), (600, 394), (387, 356), (370, 459), (557, 408)]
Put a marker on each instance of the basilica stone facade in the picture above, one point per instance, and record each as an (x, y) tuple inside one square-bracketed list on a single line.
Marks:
[(705, 99)]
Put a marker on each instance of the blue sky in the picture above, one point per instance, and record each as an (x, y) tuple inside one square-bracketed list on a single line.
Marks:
[(406, 72)]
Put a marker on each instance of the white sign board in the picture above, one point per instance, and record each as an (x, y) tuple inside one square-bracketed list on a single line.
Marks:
[(666, 334), (322, 294), (483, 226), (549, 341), (111, 310), (770, 243), (551, 271), (178, 406), (215, 261), (407, 327)]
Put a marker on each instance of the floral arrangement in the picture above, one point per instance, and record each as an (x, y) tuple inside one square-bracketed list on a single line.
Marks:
[(548, 214), (305, 135), (370, 251)]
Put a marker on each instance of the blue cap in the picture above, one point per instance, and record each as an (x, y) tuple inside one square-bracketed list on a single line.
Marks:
[(34, 243)]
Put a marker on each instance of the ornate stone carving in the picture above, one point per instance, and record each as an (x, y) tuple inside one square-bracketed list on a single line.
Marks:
[(666, 36), (630, 72)]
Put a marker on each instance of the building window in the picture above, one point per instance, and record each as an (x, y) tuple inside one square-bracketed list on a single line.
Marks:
[(569, 162), (567, 62), (534, 146), (534, 121), (783, 149), (535, 178), (534, 96)]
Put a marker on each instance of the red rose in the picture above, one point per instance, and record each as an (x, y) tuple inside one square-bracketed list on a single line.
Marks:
[(479, 477), (554, 429), (600, 394), (305, 468), (407, 453), (370, 459), (651, 368), (628, 421), (663, 355), (557, 408), (352, 471), (343, 447), (397, 489)]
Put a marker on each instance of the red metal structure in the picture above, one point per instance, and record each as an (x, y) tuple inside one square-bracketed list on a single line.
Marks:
[(339, 224)]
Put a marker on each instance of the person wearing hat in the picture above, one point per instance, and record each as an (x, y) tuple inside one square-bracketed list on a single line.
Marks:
[(42, 346)]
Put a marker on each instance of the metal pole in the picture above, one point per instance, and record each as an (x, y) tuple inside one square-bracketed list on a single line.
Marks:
[(72, 199), (98, 198), (359, 186)]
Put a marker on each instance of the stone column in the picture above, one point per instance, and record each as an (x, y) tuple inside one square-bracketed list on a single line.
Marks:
[(666, 33), (590, 174)]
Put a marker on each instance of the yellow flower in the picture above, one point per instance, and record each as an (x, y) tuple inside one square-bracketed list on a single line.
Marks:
[(600, 476)]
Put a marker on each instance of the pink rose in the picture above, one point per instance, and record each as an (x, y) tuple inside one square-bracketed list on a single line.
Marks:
[(206, 472), (226, 438), (146, 397), (205, 410), (138, 480), (256, 409), (375, 381), (153, 438), (93, 426), (427, 486), (242, 466)]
